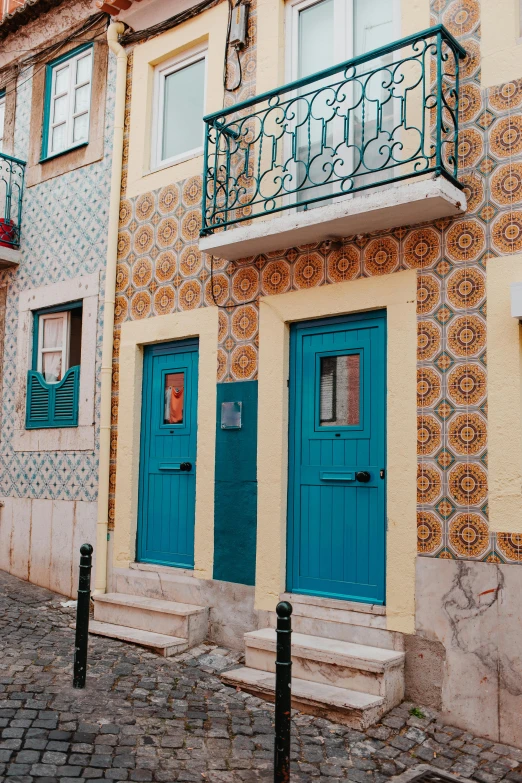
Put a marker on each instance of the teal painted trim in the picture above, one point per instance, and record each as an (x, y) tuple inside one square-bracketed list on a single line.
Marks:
[(47, 101), (51, 405), (235, 495), (378, 318), (36, 324)]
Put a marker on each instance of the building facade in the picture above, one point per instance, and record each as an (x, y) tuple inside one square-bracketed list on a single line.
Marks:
[(309, 397), (56, 118)]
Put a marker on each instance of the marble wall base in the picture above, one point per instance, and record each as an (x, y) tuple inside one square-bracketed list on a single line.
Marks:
[(474, 610), (40, 540)]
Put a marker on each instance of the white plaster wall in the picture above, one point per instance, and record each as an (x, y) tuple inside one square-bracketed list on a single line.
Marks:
[(40, 540)]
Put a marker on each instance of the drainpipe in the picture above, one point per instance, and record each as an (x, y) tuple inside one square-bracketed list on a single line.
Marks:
[(100, 585)]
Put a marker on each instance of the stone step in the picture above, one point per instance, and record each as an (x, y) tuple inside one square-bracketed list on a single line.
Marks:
[(346, 621), (158, 642), (332, 662), (341, 705), (185, 621)]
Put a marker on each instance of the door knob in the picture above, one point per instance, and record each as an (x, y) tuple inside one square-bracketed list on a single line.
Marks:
[(363, 476), (186, 466)]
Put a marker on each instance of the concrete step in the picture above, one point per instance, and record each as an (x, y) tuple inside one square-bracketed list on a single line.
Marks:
[(158, 642), (358, 667), (346, 621), (185, 621), (351, 708)]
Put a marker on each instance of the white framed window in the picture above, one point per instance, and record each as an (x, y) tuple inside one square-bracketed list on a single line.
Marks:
[(320, 34), (53, 346), (59, 343), (2, 121), (69, 104), (178, 109)]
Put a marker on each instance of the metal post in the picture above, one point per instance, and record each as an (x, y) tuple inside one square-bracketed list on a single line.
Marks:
[(283, 693), (82, 617)]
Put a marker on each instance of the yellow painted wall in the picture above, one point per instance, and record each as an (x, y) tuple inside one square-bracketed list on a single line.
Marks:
[(505, 397), (501, 47), (203, 324), (208, 28), (396, 293)]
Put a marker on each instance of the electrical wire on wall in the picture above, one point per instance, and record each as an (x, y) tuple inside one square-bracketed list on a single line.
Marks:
[(47, 53), (237, 32), (239, 8)]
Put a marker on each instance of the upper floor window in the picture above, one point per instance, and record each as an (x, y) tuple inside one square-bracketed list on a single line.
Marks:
[(2, 120), (327, 32), (179, 106), (68, 102), (59, 343)]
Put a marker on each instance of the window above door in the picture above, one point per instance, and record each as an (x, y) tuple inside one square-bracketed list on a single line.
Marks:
[(359, 111), (178, 108), (322, 33)]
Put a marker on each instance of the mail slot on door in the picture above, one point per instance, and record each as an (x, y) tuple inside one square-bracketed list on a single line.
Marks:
[(337, 476)]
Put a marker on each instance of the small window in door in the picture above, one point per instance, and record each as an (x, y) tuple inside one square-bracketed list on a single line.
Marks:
[(59, 343), (174, 398), (340, 390)]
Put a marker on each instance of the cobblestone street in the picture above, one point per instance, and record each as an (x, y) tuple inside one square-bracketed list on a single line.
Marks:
[(147, 718)]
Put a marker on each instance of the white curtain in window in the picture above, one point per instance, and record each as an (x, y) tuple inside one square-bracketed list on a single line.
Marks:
[(52, 360)]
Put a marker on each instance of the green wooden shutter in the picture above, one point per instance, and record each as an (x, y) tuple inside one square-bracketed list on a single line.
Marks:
[(52, 404)]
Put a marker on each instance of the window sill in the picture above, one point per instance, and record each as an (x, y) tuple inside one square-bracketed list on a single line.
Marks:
[(167, 164), (80, 438), (63, 152)]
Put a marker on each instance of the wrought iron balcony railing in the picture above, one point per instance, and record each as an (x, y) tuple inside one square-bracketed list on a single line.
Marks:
[(12, 172), (380, 118)]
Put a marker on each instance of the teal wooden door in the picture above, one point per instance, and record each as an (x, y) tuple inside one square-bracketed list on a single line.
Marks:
[(167, 491), (336, 499)]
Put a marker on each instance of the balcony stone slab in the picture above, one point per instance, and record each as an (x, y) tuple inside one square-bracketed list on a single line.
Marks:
[(402, 204), (9, 256)]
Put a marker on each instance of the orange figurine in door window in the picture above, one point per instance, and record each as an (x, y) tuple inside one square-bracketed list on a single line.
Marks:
[(174, 394)]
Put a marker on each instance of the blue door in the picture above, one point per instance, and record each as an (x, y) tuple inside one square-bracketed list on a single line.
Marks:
[(167, 491), (336, 503)]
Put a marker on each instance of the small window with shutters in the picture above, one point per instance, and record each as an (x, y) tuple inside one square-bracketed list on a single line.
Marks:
[(53, 383)]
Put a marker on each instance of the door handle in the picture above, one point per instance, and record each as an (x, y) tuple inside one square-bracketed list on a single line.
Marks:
[(186, 466), (363, 476)]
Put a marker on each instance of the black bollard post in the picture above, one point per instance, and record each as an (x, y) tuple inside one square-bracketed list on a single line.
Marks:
[(82, 617), (283, 693)]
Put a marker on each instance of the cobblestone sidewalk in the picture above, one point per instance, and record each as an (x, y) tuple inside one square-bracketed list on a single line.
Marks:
[(147, 718)]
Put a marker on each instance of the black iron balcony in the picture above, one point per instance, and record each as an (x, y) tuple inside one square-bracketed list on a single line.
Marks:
[(381, 118), (12, 172)]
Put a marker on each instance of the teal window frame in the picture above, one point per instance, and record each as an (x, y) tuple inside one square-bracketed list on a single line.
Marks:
[(49, 68), (51, 405)]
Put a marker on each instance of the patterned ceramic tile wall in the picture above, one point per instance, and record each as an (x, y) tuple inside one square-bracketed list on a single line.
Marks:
[(64, 233), (161, 270)]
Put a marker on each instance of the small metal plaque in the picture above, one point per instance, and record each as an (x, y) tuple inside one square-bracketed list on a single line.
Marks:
[(231, 415)]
